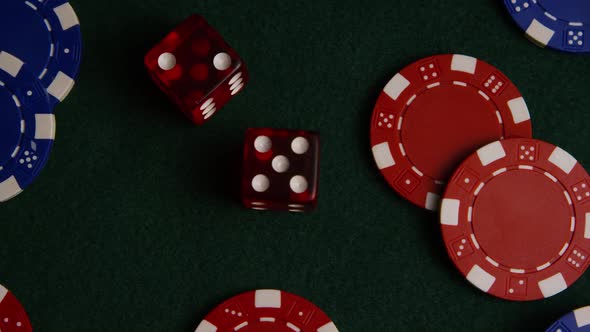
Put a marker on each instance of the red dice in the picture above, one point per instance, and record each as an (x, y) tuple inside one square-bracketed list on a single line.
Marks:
[(197, 69), (280, 170)]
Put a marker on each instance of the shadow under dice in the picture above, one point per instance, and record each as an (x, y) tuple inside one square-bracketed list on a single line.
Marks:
[(197, 69), (280, 169)]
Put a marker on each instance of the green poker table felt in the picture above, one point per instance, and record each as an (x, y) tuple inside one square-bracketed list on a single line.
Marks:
[(135, 224)]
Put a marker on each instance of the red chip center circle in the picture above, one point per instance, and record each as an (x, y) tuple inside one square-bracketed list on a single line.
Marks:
[(522, 219), (444, 125)]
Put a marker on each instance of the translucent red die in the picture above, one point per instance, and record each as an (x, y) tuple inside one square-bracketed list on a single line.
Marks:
[(197, 69), (280, 169)]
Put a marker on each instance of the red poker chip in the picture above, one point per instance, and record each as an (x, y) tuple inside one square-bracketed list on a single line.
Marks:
[(436, 112), (516, 219), (13, 317), (267, 311)]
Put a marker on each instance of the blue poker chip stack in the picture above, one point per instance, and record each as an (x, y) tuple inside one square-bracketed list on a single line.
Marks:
[(561, 25), (40, 52)]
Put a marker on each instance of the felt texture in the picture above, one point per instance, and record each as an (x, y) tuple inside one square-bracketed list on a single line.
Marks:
[(135, 224)]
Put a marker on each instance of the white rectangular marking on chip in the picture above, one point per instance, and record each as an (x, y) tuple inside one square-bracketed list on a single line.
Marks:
[(499, 116), (469, 213), (66, 15), (449, 212), (478, 189), (401, 149), (517, 271), (500, 171), (549, 175), (563, 160), (205, 326), (480, 278), (267, 319), (464, 63), (240, 326), (293, 327), (61, 86), (439, 182), (543, 267), (396, 86), (463, 84), (572, 224), (552, 285), (51, 50), (48, 25), (550, 16), (519, 110), (474, 240), (582, 316), (490, 153), (31, 5), (383, 156), (10, 64), (417, 171), (16, 101), (3, 293), (576, 24), (45, 126), (411, 100), (267, 298), (433, 85), (564, 248), (399, 123), (9, 188), (43, 74), (432, 201), (491, 261), (330, 327), (539, 32), (587, 228), (567, 197), (526, 167), (483, 94), (14, 152)]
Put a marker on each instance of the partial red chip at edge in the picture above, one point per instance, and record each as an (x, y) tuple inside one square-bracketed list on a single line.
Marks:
[(13, 317), (267, 311), (516, 219), (436, 112)]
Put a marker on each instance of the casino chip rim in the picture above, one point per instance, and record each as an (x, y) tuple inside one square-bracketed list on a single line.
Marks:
[(266, 306), (545, 29), (573, 321), (457, 218), (389, 152), (17, 314), (36, 131)]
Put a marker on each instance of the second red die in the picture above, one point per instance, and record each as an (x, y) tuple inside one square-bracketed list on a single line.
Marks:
[(281, 169), (197, 69)]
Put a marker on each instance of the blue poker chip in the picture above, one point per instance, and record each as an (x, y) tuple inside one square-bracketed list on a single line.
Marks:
[(45, 34), (562, 25), (27, 126), (576, 321)]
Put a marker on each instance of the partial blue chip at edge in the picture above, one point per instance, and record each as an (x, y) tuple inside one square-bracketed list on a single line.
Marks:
[(576, 321), (27, 126), (45, 34), (562, 25)]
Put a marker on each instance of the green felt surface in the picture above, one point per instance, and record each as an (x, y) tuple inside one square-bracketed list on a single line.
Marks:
[(136, 225)]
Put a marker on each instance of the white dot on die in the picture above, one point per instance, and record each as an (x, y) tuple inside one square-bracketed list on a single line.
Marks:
[(222, 61), (19, 324), (6, 320), (408, 182), (280, 164), (29, 93), (300, 145), (521, 282), (511, 290), (571, 33), (300, 313), (298, 184), (467, 180), (66, 50), (262, 144), (167, 61), (260, 183)]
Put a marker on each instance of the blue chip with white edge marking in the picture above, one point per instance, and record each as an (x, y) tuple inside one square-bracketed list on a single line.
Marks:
[(576, 321), (27, 126), (562, 25), (44, 34)]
